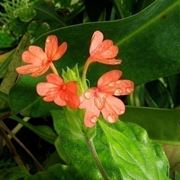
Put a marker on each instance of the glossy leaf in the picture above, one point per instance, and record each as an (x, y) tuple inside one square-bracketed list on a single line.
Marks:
[(123, 147), (134, 153)]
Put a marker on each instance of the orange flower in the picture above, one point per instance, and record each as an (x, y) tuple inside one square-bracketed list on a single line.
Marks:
[(103, 51), (56, 90), (38, 60), (100, 99)]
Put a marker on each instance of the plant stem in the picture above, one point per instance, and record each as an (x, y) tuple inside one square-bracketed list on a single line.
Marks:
[(88, 62), (11, 148), (53, 68), (97, 160), (38, 165)]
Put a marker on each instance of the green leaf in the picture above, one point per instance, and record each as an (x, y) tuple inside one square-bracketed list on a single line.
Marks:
[(29, 103), (6, 39), (133, 152), (72, 143), (161, 124), (142, 39), (111, 152)]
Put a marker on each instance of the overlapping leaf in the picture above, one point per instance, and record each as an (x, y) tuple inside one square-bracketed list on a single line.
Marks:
[(123, 147)]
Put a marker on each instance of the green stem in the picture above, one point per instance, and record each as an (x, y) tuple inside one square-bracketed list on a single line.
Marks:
[(53, 68), (97, 160), (88, 62)]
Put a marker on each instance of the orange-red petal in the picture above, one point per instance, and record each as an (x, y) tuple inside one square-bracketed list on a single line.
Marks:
[(33, 58), (112, 109), (123, 87), (60, 51), (36, 51), (27, 69), (109, 77), (44, 88), (51, 46), (53, 51), (96, 41), (54, 79)]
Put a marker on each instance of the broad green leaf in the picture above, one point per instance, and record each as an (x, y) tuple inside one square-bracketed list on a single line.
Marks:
[(135, 155), (142, 39), (115, 151), (161, 124)]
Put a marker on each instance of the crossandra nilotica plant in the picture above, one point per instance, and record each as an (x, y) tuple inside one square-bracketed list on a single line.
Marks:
[(102, 99)]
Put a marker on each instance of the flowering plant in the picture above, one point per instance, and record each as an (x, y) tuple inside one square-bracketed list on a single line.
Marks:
[(78, 99), (88, 101), (94, 100)]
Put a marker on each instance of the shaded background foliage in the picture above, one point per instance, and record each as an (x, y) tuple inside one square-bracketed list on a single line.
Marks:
[(148, 34)]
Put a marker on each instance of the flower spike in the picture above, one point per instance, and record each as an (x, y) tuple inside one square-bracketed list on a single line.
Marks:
[(101, 99), (38, 60)]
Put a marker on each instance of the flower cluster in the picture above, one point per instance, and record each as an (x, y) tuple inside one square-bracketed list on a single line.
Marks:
[(95, 100)]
